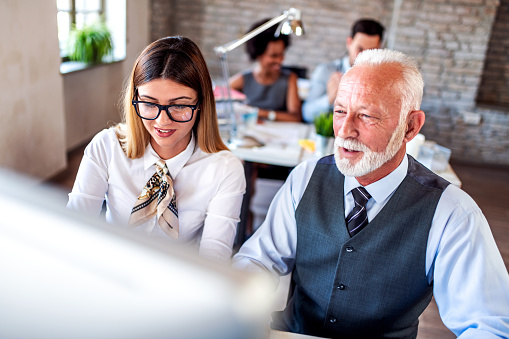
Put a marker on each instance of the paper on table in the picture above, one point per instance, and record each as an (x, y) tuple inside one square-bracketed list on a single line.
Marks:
[(308, 144), (276, 134)]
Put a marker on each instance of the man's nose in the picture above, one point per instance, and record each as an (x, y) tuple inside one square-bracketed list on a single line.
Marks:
[(346, 127)]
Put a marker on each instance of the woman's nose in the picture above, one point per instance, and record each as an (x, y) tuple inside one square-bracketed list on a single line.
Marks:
[(164, 118)]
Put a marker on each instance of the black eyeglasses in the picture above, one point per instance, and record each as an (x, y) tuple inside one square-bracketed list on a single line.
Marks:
[(151, 111)]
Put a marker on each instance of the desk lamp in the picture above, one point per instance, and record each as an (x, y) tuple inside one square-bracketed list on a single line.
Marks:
[(289, 21)]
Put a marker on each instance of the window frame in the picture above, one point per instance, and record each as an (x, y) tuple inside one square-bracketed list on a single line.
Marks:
[(116, 24), (72, 22)]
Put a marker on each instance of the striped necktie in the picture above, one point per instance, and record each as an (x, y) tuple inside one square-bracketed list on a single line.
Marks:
[(358, 217), (158, 199)]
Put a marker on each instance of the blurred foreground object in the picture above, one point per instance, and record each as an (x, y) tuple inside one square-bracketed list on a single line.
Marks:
[(66, 275)]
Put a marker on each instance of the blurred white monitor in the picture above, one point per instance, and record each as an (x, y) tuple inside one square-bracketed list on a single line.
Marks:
[(64, 275)]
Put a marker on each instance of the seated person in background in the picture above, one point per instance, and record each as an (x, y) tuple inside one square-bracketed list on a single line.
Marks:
[(268, 87), (370, 234), (366, 34), (164, 170)]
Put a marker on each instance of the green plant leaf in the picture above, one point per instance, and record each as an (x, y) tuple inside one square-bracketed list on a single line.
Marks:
[(90, 43), (323, 124)]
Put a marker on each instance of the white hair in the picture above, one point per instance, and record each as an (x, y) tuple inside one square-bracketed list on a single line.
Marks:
[(411, 84)]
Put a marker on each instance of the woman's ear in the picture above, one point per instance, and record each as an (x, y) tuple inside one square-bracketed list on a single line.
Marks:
[(414, 123)]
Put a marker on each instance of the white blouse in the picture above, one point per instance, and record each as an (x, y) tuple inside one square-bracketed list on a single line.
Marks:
[(208, 186)]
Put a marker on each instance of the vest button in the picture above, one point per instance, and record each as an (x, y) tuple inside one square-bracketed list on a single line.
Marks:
[(349, 249), (341, 286), (332, 320)]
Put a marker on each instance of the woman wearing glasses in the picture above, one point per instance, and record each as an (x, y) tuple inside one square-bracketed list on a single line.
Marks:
[(164, 170)]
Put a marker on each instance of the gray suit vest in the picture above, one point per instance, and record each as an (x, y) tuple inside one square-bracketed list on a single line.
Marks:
[(374, 284)]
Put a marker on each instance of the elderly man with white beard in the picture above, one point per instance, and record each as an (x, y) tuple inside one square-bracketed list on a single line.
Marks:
[(370, 235)]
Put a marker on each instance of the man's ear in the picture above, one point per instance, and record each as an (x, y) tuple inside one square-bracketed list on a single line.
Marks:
[(348, 41), (414, 122)]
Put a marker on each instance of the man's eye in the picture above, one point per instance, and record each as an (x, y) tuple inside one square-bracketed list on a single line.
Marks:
[(339, 111), (368, 118)]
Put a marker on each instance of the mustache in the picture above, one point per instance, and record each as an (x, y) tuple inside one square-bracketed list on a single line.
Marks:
[(350, 144)]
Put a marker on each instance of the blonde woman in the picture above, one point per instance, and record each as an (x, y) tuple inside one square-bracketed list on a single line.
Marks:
[(164, 170)]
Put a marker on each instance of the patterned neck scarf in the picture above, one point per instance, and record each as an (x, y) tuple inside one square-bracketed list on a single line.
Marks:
[(158, 198)]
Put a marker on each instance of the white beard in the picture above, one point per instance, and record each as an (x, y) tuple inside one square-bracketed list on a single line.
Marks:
[(370, 160)]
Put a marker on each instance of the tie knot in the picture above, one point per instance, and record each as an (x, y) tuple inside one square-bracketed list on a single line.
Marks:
[(360, 195), (161, 166)]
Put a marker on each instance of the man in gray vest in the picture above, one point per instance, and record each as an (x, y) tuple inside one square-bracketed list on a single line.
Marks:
[(370, 234)]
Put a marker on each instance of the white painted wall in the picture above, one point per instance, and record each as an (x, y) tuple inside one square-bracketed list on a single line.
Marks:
[(32, 128), (43, 113)]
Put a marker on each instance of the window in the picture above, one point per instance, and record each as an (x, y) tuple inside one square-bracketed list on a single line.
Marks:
[(76, 13), (79, 13)]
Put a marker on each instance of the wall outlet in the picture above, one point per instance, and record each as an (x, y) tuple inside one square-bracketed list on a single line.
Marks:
[(471, 118)]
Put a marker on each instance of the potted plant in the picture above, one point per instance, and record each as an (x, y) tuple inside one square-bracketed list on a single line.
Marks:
[(90, 43), (324, 133)]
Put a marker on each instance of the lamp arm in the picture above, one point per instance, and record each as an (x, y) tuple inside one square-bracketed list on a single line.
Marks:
[(229, 46), (223, 50)]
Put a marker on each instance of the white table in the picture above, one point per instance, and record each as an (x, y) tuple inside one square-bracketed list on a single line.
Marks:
[(280, 143)]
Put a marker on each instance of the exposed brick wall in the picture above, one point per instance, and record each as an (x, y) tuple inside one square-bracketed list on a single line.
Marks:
[(488, 142), (449, 38), (494, 88), (450, 42), (327, 23), (162, 20)]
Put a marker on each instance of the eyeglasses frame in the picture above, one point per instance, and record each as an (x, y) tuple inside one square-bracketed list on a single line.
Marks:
[(163, 107)]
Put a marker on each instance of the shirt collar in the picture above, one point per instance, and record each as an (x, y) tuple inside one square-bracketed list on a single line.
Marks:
[(383, 188), (346, 63), (174, 164)]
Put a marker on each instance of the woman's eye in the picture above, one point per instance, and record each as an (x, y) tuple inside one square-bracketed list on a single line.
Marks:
[(179, 108)]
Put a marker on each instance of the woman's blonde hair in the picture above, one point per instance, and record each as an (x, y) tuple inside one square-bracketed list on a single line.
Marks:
[(177, 59)]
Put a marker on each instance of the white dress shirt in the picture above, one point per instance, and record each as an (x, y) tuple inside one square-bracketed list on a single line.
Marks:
[(317, 101), (470, 280), (208, 186)]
